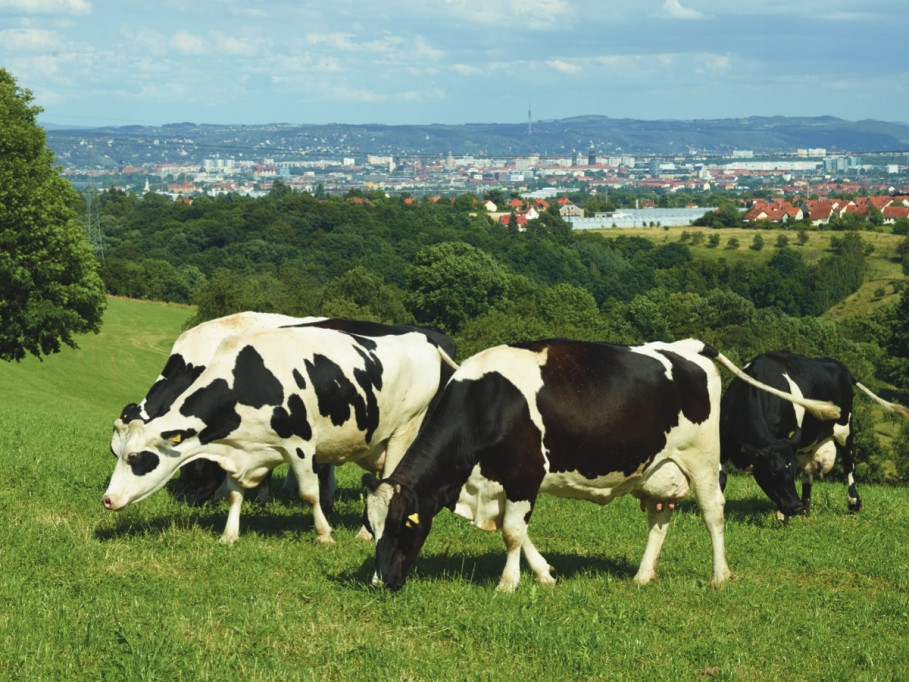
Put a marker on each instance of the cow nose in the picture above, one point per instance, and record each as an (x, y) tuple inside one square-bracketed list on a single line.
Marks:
[(107, 502)]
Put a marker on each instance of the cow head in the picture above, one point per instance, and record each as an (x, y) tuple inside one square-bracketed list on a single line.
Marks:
[(393, 517), (146, 460), (775, 470)]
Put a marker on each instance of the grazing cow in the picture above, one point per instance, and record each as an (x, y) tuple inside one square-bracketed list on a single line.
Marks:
[(202, 479), (779, 440), (288, 395), (590, 421)]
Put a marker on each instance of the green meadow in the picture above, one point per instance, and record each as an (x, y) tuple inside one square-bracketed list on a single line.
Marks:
[(150, 594)]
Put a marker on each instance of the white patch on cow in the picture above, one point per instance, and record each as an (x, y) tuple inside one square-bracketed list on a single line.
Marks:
[(687, 347), (797, 392), (481, 501)]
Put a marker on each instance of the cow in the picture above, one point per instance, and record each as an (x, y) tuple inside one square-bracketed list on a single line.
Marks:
[(590, 421), (779, 441), (202, 479), (288, 395)]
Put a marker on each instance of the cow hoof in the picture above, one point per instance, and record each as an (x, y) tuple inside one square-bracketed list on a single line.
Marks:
[(227, 539), (644, 579), (546, 580), (506, 586), (364, 535), (856, 506), (325, 539)]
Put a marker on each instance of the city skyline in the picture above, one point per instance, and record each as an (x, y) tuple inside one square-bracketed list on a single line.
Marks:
[(95, 62)]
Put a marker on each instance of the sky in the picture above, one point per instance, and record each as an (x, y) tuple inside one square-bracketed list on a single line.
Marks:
[(151, 62)]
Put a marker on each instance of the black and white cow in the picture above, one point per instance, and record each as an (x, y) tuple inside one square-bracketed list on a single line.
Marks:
[(779, 440), (288, 395), (590, 421), (202, 479)]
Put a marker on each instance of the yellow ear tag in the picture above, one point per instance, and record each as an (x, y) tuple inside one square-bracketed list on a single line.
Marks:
[(412, 520), (791, 434), (176, 439)]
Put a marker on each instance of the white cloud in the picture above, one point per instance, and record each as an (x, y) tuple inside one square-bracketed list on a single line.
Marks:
[(535, 15), (48, 6), (187, 43), (466, 69), (29, 39), (674, 9), (564, 67)]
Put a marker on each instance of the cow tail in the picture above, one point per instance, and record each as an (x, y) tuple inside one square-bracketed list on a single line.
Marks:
[(447, 359), (891, 407), (821, 409)]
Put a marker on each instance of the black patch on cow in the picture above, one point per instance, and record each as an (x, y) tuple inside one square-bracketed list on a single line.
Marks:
[(142, 462), (292, 421), (338, 397), (299, 379), (487, 421), (254, 384), (216, 406), (301, 454), (691, 383), (509, 447), (608, 410), (176, 377)]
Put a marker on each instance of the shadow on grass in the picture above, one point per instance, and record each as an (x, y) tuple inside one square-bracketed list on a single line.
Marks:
[(485, 569), (279, 518)]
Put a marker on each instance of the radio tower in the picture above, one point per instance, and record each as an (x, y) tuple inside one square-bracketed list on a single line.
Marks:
[(92, 218)]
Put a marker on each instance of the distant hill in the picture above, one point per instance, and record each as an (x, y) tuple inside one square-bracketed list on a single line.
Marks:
[(762, 135)]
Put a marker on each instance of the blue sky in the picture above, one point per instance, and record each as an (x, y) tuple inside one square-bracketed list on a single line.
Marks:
[(148, 62)]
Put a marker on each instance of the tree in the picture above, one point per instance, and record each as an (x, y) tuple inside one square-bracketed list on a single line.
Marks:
[(50, 288), (452, 282)]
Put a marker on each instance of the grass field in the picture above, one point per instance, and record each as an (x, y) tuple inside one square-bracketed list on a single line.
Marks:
[(150, 594)]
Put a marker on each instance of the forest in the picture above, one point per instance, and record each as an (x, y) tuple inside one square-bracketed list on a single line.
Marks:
[(446, 263)]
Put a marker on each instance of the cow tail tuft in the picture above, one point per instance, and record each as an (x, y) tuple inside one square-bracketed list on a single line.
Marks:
[(891, 407)]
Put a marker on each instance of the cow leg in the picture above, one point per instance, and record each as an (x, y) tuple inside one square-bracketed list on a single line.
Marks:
[(514, 533), (301, 465), (658, 522), (537, 563), (659, 488), (807, 483), (843, 437), (235, 500), (711, 502)]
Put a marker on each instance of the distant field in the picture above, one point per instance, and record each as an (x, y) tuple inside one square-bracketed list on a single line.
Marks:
[(884, 269), (150, 594)]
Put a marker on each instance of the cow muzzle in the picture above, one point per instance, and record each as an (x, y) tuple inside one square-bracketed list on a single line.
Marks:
[(113, 503)]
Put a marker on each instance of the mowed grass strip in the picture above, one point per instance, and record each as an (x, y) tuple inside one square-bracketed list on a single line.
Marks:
[(149, 593)]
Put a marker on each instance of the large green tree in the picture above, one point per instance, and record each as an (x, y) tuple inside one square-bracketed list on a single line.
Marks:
[(453, 282), (50, 289)]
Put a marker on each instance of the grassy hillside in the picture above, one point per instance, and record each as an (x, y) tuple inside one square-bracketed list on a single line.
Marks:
[(884, 269), (150, 594)]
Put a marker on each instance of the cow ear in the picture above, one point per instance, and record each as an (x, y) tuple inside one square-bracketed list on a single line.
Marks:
[(129, 412), (370, 483), (177, 437)]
